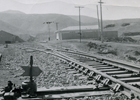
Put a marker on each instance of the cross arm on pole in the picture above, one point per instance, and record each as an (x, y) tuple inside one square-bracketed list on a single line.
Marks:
[(79, 7), (101, 2), (47, 22)]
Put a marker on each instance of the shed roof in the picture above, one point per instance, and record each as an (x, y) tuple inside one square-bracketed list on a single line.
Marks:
[(90, 27)]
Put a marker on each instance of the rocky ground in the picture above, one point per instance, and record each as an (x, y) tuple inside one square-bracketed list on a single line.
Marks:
[(54, 72)]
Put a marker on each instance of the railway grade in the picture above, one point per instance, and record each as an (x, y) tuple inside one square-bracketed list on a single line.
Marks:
[(120, 77), (112, 75)]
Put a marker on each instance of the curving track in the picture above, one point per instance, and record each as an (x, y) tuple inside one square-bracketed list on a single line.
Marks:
[(115, 76), (120, 77)]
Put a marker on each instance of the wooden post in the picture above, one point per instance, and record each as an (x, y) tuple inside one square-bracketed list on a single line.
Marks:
[(31, 67)]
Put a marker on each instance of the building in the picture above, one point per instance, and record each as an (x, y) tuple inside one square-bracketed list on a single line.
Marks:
[(6, 37), (87, 32)]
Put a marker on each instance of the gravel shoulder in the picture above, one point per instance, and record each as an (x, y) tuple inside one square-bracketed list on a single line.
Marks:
[(54, 72)]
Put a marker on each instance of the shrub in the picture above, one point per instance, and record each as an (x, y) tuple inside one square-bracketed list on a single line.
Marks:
[(110, 25), (125, 24), (136, 53), (131, 58), (92, 45)]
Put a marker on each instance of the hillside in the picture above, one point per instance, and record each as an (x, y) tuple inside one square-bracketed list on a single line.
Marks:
[(10, 28), (123, 25), (33, 23), (86, 19), (13, 12), (26, 37), (18, 23)]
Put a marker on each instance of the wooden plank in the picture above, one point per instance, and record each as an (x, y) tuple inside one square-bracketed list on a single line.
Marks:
[(117, 72), (110, 67), (90, 82), (83, 77), (101, 65), (123, 75), (92, 63), (77, 74), (29, 98), (71, 69), (138, 83), (72, 72), (76, 95), (108, 70), (132, 79), (83, 87)]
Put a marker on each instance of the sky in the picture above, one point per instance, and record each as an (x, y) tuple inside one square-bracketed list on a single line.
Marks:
[(112, 9), (133, 3)]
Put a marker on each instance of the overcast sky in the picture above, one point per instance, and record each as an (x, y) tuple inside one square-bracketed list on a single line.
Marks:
[(133, 3), (112, 9)]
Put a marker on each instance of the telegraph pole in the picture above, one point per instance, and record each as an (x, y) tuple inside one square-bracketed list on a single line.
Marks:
[(56, 29), (99, 28), (57, 25), (101, 20), (48, 29), (79, 7)]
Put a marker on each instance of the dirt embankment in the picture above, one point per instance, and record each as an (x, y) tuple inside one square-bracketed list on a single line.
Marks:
[(117, 51)]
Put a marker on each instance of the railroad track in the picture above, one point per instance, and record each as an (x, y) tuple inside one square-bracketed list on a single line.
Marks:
[(115, 76), (120, 77)]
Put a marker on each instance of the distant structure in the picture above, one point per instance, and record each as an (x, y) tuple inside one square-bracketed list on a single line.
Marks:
[(88, 32), (6, 37), (0, 57)]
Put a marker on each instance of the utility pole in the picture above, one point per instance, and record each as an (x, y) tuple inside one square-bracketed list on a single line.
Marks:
[(31, 67), (99, 28), (101, 20), (79, 7), (56, 30), (56, 26), (48, 28)]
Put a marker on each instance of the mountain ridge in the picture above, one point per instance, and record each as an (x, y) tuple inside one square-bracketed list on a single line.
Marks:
[(32, 24)]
